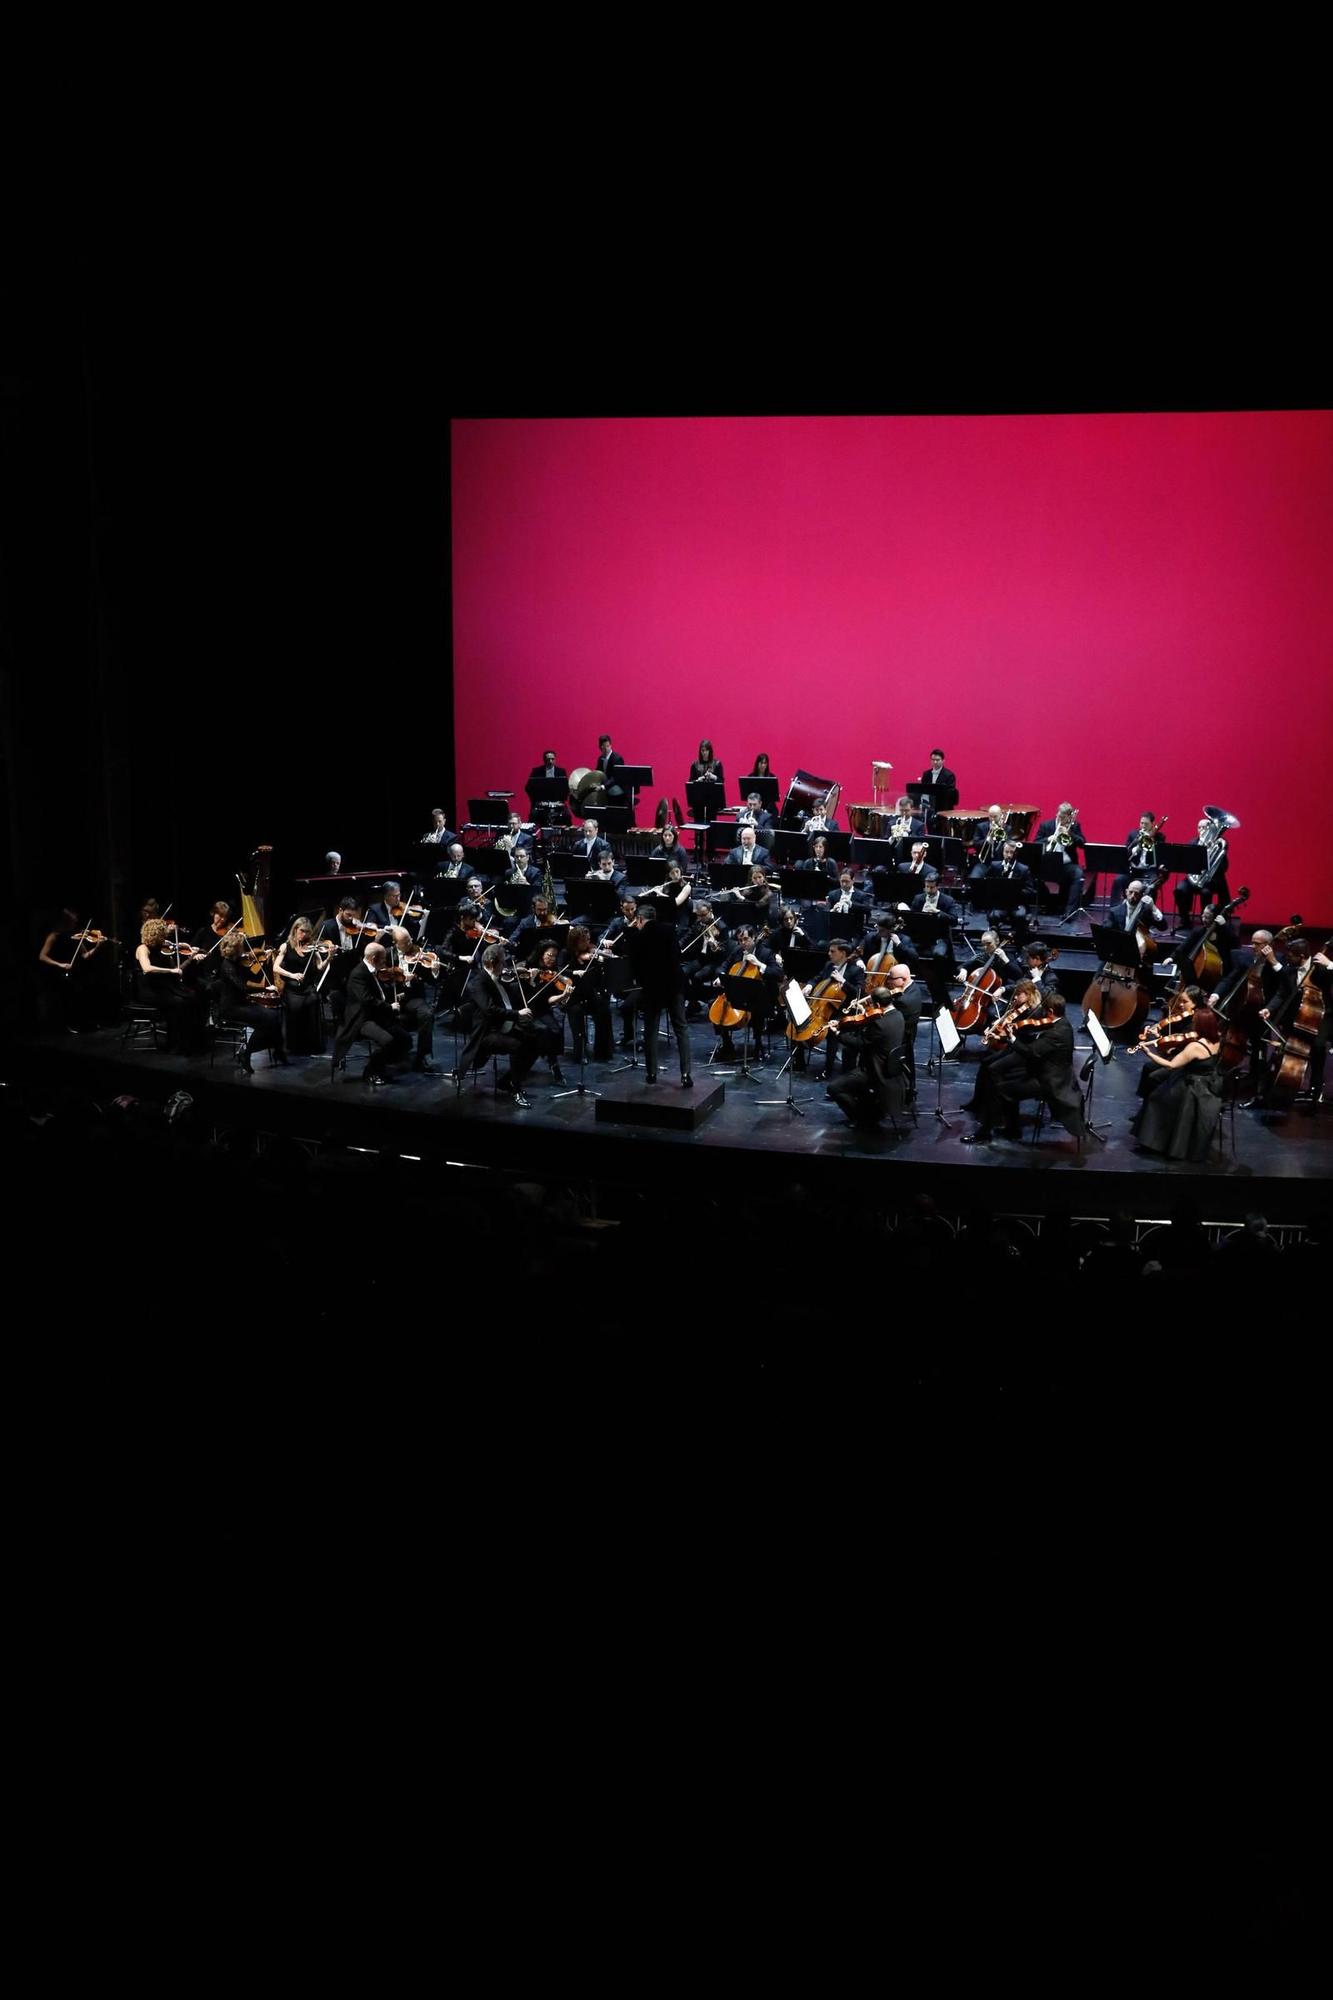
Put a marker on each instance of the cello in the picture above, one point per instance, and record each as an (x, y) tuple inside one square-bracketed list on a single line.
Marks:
[(980, 990), (722, 1014), (1301, 1030), (826, 998)]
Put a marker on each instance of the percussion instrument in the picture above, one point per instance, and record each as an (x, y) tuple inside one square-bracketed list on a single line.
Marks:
[(869, 821), (805, 795), (587, 790)]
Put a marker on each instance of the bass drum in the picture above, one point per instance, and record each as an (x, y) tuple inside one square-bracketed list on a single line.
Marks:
[(587, 792), (803, 795), (868, 821)]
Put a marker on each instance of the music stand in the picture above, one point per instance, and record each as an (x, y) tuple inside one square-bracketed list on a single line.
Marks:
[(805, 885), (798, 1013), (1004, 897), (706, 797), (944, 1032), (598, 901), (925, 928), (590, 982), (1101, 1047), (493, 810)]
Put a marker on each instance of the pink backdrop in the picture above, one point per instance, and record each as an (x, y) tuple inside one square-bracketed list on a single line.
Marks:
[(1131, 612)]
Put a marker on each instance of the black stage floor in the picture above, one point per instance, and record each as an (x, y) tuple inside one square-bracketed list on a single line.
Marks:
[(1278, 1162)]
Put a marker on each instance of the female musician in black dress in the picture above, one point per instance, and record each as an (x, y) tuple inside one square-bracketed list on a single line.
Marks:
[(671, 847), (819, 859), (159, 981), (705, 764), (298, 965), (1180, 1118), (239, 991)]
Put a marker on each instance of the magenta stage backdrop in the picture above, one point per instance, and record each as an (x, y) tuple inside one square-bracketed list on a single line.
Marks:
[(1132, 612)]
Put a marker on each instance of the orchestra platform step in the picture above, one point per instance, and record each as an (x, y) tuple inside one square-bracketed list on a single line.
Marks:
[(629, 1100)]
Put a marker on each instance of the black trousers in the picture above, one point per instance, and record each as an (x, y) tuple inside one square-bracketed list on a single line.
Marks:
[(305, 1022), (264, 1025), (674, 1003), (856, 1096), (418, 1018)]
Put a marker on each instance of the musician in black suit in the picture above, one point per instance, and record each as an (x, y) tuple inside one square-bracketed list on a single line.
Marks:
[(909, 996), (1142, 859), (1304, 966), (906, 827), (1039, 1066), (1136, 910), (654, 954), (939, 955), (942, 792), (548, 768), (1059, 842), (1037, 967), (590, 847), (747, 853), (845, 971), (367, 1013), (919, 869), (1007, 869), (439, 835), (753, 813), (343, 930), (454, 864), (418, 997), (391, 909), (606, 871), (701, 953), (609, 762), (875, 1085), (501, 1025), (849, 898), (1211, 880), (515, 835)]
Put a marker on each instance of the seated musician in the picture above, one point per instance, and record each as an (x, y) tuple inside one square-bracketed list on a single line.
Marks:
[(670, 847), (548, 768), (515, 835), (501, 1024), (1142, 851), (344, 931), (1038, 968), (1210, 883), (848, 897), (590, 1001), (906, 993), (238, 991), (1008, 868), (159, 981), (1137, 914), (757, 896), (547, 995), (920, 867), (753, 813), (674, 894), (747, 950), (820, 820), (333, 862), (874, 1063), (789, 936), (369, 1014), (747, 852), (439, 835), (1038, 1061), (1304, 966), (700, 955), (391, 910), (1002, 960), (589, 846), (1059, 841), (943, 785), (472, 917), (615, 940), (885, 936), (706, 767), (843, 970), (454, 862), (418, 996), (932, 902), (539, 918), (219, 923), (605, 870), (988, 837), (906, 826), (819, 859)]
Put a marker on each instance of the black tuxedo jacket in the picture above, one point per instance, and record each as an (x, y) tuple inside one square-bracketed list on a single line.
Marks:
[(756, 858), (1047, 828), (654, 956), (1019, 874), (1121, 917), (942, 791), (598, 849), (879, 1046), (365, 999)]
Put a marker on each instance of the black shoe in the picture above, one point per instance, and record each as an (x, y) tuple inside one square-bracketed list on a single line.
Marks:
[(456, 1078), (557, 1075), (374, 1079), (687, 1083), (523, 1103), (650, 1076), (979, 1138), (243, 1062)]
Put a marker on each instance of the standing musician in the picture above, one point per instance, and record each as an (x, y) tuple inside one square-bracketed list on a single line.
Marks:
[(1211, 880), (368, 1014), (590, 847), (753, 813), (706, 768), (240, 1006), (748, 951), (1005, 867), (747, 853), (439, 835), (654, 953), (1143, 858), (298, 965), (609, 762), (418, 995), (391, 911), (590, 1002), (548, 768), (501, 1026), (943, 793), (819, 860), (874, 1066), (1059, 842), (159, 983), (69, 985)]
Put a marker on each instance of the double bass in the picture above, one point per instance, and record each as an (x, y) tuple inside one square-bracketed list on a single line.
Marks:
[(1205, 958), (1300, 1030)]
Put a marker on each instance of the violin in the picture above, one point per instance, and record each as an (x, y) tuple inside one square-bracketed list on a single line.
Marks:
[(1009, 1024)]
